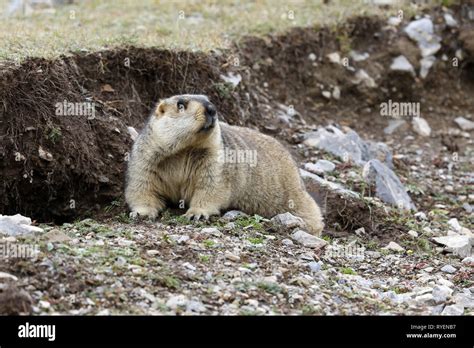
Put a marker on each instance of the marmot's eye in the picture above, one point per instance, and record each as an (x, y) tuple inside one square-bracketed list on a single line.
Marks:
[(181, 105)]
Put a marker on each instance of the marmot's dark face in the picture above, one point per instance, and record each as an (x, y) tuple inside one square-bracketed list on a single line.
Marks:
[(187, 113)]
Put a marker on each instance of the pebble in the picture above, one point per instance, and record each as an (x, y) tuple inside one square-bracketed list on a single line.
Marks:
[(308, 240), (394, 247), (448, 269), (441, 293), (455, 309), (232, 257)]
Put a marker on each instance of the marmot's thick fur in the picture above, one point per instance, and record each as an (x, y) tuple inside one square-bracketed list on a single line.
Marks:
[(185, 156)]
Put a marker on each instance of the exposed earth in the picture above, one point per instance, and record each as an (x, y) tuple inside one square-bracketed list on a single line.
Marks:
[(66, 172)]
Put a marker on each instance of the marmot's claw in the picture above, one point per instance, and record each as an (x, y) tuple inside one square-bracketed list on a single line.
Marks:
[(142, 213), (196, 215)]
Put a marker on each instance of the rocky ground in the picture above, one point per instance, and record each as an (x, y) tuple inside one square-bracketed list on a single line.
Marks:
[(245, 265)]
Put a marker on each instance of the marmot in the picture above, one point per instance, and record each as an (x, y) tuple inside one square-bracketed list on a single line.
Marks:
[(185, 155)]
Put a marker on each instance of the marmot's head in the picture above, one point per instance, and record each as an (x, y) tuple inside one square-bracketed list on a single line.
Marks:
[(192, 111)]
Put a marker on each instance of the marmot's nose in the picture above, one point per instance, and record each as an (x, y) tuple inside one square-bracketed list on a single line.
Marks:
[(210, 110)]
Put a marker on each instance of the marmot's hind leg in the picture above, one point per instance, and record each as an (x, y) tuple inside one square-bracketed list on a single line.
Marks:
[(307, 209)]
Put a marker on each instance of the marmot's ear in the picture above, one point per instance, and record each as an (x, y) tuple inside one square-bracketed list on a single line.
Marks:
[(160, 109)]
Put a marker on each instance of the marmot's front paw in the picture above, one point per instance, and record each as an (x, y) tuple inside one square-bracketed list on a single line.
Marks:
[(144, 212), (197, 213)]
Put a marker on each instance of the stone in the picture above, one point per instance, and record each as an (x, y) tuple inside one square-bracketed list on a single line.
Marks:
[(212, 231), (45, 154), (4, 275), (455, 309), (413, 234), (152, 252), (387, 185), (312, 57), (425, 65), (421, 127), (288, 221), (420, 216), (464, 123), (232, 215), (358, 57), (394, 247), (348, 146), (17, 225), (321, 167), (176, 301), (422, 32), (334, 57), (468, 261), (314, 266), (178, 238), (308, 240), (455, 225), (458, 245), (393, 125), (441, 293), (450, 21), (287, 242), (232, 78), (232, 257), (133, 133), (361, 77), (400, 63), (448, 269), (326, 94), (336, 93), (313, 183), (56, 236)]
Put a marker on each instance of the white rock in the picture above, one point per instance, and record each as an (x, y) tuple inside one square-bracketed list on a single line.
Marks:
[(455, 225), (425, 65), (178, 238), (312, 57), (393, 125), (448, 269), (232, 215), (464, 123), (422, 32), (441, 293), (394, 247), (412, 233), (212, 231), (450, 21), (458, 245), (232, 257), (45, 154), (233, 79), (326, 94), (334, 57), (420, 215), (361, 77), (4, 275), (288, 220), (15, 225), (400, 63), (287, 242), (421, 127), (394, 21), (176, 301), (358, 57), (336, 93), (133, 133), (314, 266), (468, 261), (152, 252), (308, 240), (455, 309)]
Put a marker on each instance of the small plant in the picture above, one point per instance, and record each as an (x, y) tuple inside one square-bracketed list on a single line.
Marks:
[(255, 240), (54, 135), (348, 270)]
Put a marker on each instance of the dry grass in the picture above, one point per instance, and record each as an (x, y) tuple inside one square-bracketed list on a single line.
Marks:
[(90, 25)]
